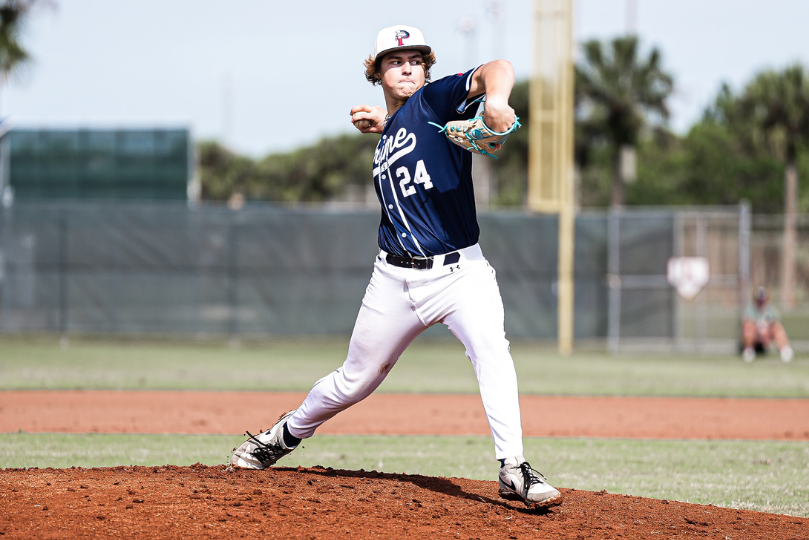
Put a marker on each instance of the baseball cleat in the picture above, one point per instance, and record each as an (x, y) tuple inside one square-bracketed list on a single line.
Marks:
[(518, 481), (262, 450)]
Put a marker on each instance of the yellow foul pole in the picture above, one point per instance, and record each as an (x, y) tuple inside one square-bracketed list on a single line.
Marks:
[(550, 164)]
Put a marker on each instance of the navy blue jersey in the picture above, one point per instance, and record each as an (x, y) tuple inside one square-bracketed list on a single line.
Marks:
[(423, 181)]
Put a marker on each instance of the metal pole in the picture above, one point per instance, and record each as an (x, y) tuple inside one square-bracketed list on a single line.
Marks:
[(567, 226), (6, 190), (614, 281), (62, 275), (679, 235), (700, 319), (790, 239), (744, 258), (550, 163), (5, 224), (567, 214), (3, 166), (233, 278)]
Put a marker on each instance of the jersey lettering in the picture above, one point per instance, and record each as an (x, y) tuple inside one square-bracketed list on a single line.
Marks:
[(402, 173), (393, 149), (421, 177)]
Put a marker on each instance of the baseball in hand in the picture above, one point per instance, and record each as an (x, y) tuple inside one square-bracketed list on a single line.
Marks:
[(363, 123)]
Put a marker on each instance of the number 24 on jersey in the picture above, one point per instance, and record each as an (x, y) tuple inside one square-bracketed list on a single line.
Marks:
[(407, 184)]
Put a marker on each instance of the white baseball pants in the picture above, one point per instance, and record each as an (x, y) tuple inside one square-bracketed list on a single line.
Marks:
[(399, 304)]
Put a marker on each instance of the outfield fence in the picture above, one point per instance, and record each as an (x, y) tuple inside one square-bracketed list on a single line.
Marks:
[(173, 269)]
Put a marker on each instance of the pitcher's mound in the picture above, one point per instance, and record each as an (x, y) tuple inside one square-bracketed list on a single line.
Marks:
[(213, 502)]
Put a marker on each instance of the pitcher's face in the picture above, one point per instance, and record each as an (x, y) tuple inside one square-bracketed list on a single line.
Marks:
[(402, 73)]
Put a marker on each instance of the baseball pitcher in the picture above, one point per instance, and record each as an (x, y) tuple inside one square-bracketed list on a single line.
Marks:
[(430, 268)]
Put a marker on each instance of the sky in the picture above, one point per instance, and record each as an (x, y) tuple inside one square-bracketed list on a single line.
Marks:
[(266, 76)]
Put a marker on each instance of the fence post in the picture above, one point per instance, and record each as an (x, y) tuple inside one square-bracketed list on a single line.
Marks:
[(790, 240), (233, 277), (4, 225), (62, 270), (701, 301), (744, 258), (614, 281), (678, 231)]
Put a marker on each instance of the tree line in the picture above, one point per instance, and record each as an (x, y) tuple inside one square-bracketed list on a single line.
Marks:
[(749, 144)]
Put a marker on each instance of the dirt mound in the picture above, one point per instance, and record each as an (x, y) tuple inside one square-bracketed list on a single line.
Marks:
[(212, 502)]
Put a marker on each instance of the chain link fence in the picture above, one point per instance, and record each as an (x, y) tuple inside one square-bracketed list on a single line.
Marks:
[(264, 270)]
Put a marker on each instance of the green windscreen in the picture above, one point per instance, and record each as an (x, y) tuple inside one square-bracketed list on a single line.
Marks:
[(148, 164)]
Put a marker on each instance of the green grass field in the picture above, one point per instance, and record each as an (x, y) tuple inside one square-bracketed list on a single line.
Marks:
[(429, 366), (760, 475)]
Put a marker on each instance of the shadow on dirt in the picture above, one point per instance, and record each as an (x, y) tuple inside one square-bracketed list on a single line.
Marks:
[(444, 486)]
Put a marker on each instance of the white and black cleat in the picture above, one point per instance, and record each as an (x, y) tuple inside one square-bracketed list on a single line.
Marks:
[(262, 450), (518, 481)]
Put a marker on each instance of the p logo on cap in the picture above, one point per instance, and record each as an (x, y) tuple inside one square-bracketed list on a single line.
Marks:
[(399, 36), (402, 35)]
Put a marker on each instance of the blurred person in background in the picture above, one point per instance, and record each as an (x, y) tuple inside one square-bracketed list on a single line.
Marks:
[(761, 325)]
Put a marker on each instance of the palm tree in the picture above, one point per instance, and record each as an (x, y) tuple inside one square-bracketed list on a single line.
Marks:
[(774, 108), (618, 93), (13, 56)]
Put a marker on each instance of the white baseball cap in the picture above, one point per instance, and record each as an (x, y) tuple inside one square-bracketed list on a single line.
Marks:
[(399, 37)]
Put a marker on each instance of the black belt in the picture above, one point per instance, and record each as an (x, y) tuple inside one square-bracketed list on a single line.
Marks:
[(421, 263)]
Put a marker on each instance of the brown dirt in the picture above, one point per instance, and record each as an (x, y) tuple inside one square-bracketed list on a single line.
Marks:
[(212, 502), (402, 414)]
